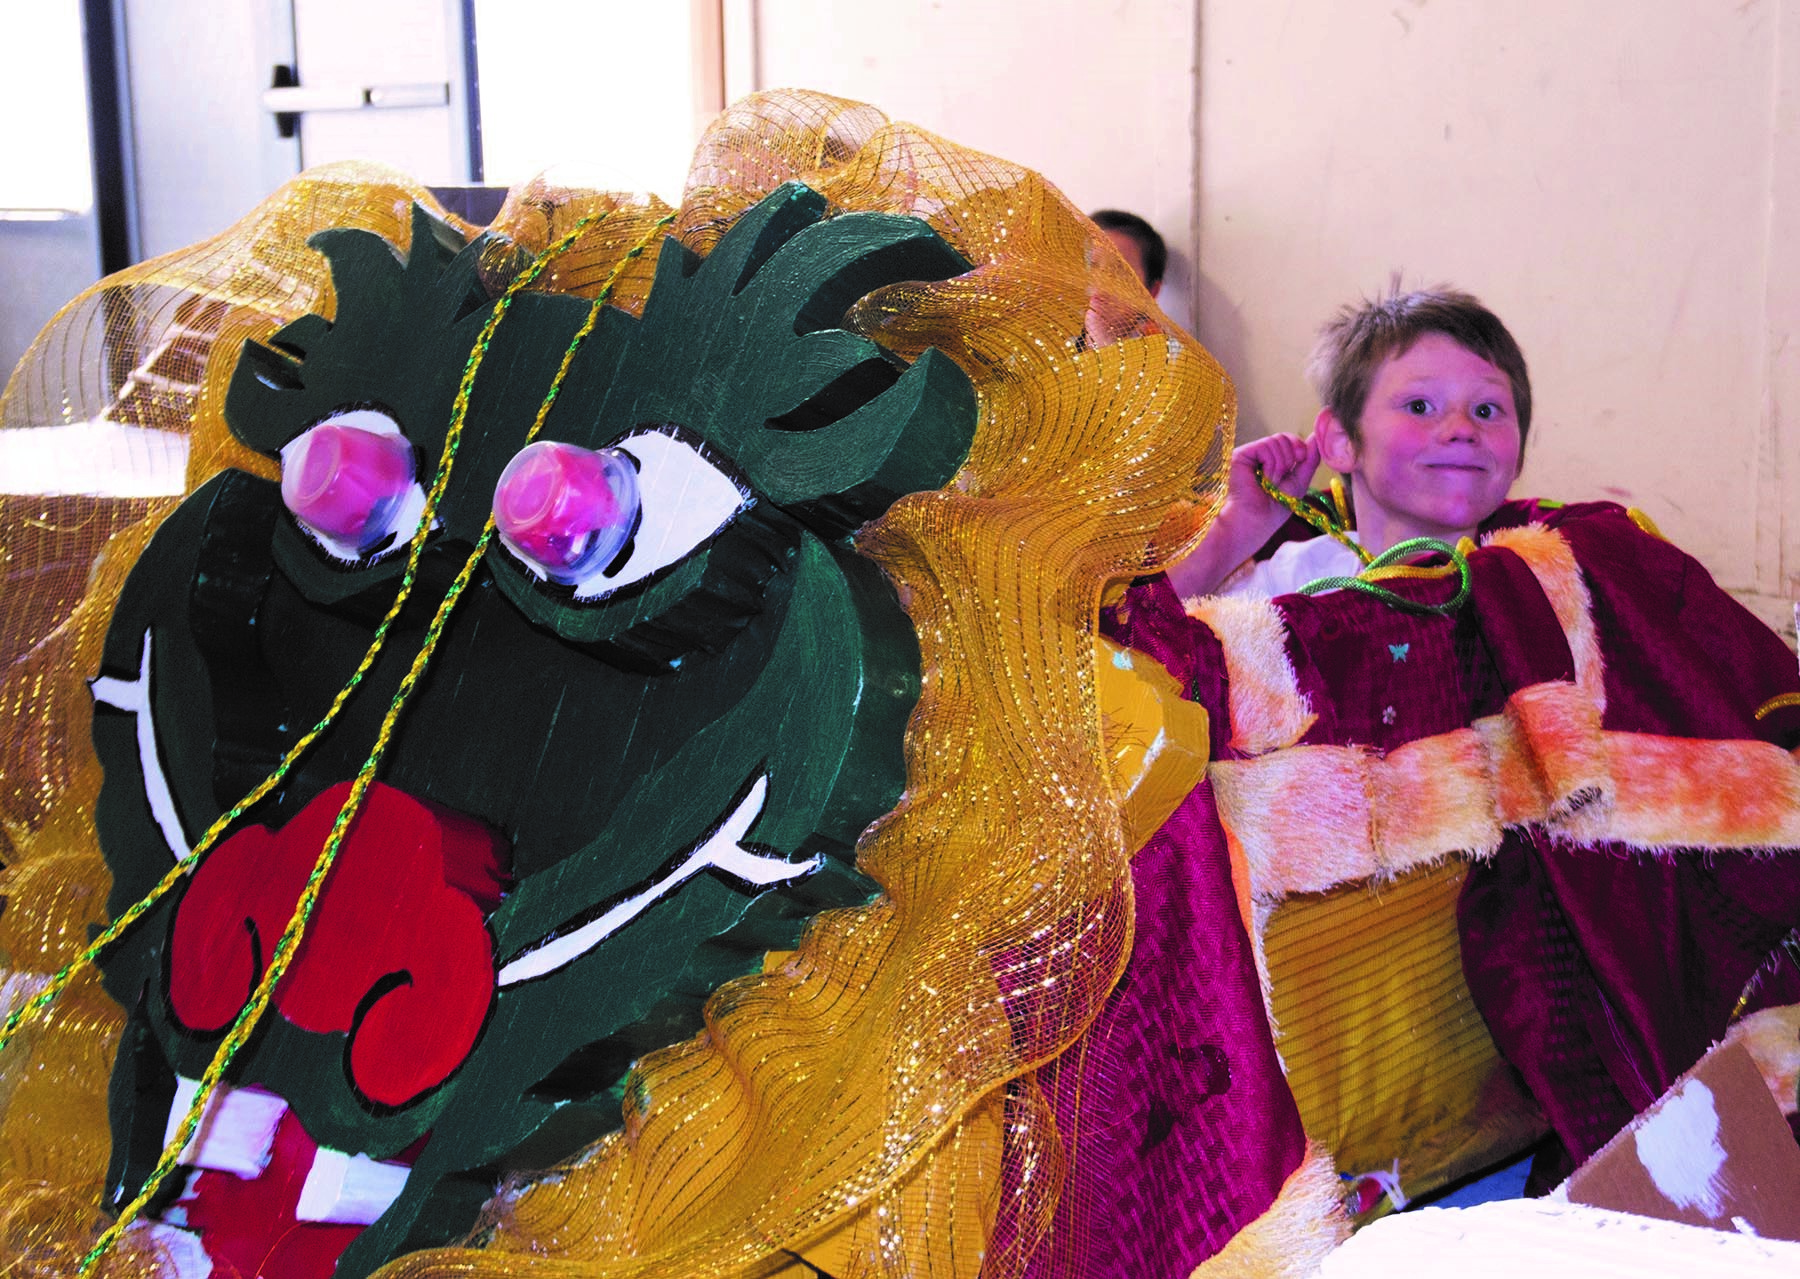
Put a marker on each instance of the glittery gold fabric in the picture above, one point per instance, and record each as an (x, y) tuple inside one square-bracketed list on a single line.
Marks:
[(861, 1104), (1385, 1052)]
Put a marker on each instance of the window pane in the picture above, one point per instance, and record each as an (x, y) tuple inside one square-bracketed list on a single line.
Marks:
[(44, 164), (602, 91)]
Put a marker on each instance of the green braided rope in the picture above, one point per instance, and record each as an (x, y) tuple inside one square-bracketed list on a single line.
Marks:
[(245, 1024), (1394, 554), (1312, 515)]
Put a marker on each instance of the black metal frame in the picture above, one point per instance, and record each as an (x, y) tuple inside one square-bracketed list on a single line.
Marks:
[(108, 134), (472, 93)]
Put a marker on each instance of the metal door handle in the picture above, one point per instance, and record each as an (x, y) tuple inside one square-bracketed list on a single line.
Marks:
[(285, 99), (337, 97), (298, 98)]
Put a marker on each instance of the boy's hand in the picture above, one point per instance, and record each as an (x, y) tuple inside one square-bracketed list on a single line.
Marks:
[(1249, 516), (1287, 460)]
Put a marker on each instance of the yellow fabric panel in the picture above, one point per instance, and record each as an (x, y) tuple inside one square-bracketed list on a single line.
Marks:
[(1156, 741), (1386, 1054)]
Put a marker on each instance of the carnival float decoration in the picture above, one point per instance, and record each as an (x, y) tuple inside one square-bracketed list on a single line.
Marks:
[(649, 742)]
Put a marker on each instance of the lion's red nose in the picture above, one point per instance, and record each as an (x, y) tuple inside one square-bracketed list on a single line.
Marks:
[(397, 952)]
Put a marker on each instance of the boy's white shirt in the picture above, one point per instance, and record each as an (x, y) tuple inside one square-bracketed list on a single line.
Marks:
[(1292, 566)]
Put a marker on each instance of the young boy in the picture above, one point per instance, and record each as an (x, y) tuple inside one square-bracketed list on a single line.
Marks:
[(1426, 406)]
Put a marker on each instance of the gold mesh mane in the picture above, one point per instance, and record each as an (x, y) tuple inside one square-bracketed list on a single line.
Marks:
[(869, 1094)]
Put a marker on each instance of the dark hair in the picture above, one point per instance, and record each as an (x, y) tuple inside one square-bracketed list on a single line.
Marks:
[(1150, 244), (1355, 342)]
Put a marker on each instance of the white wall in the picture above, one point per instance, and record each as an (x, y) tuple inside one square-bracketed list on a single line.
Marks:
[(204, 149), (49, 239), (541, 100), (1098, 96), (42, 266), (1617, 179)]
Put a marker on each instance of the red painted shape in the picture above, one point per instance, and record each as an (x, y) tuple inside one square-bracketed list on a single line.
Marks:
[(403, 908)]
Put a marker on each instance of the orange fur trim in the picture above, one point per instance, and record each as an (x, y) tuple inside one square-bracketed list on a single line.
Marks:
[(1301, 815), (1772, 1038), (1520, 794), (1546, 552), (1292, 1238), (1560, 730), (1430, 798), (1678, 792), (1267, 710), (1264, 911), (1311, 817)]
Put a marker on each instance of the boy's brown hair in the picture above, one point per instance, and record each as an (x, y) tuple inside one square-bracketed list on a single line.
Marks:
[(1355, 342)]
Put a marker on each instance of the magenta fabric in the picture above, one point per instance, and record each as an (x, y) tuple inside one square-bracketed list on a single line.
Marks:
[(1603, 973), (1176, 1120)]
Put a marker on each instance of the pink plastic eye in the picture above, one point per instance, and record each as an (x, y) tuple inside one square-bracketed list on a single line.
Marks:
[(567, 510), (345, 483)]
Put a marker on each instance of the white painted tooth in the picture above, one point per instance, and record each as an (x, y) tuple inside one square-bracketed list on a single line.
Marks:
[(237, 1132), (349, 1189), (176, 1214)]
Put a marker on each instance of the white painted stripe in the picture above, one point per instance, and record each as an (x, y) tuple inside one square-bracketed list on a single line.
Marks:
[(720, 851), (134, 696)]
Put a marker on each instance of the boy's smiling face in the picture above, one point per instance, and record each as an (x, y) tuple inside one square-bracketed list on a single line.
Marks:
[(1439, 446)]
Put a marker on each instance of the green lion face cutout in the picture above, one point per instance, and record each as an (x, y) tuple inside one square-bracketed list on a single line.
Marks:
[(638, 755)]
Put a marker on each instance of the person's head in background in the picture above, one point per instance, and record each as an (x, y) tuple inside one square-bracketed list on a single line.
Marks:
[(1426, 407), (1138, 243)]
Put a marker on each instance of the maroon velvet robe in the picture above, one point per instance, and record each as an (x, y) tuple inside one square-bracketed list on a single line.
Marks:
[(1603, 971)]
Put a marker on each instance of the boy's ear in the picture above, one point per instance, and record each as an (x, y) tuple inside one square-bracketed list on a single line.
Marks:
[(1335, 447)]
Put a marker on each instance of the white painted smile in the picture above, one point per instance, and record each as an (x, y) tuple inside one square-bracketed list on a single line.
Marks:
[(721, 850), (134, 695)]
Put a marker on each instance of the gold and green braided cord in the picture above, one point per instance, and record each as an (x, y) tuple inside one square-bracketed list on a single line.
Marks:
[(1377, 568), (248, 1017), (1780, 701), (1312, 515), (1387, 565)]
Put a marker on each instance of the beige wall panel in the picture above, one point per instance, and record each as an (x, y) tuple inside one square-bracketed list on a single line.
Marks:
[(1098, 97), (1778, 498), (1621, 181)]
